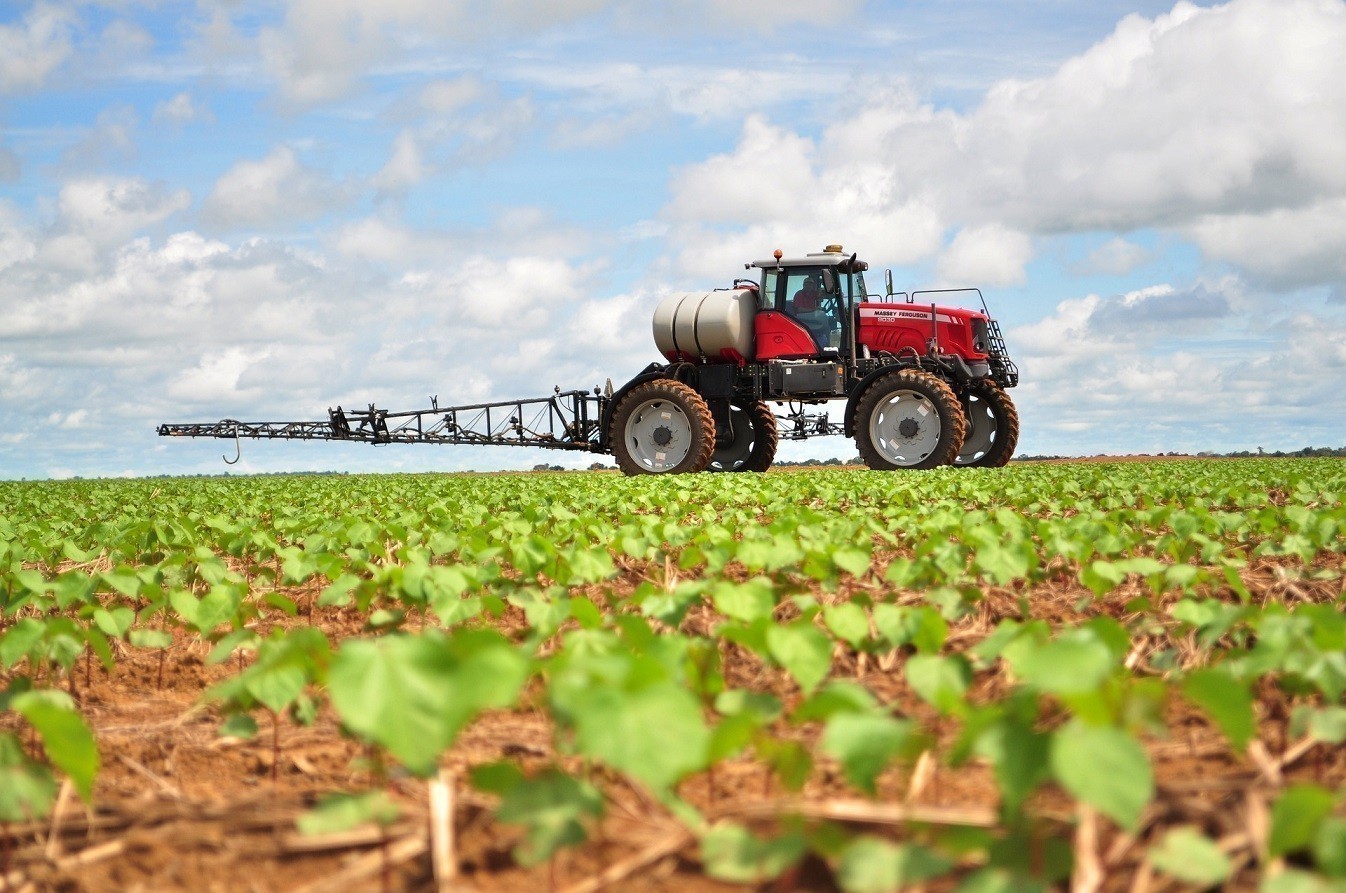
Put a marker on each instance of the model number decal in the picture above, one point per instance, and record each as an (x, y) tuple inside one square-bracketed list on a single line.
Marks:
[(893, 315)]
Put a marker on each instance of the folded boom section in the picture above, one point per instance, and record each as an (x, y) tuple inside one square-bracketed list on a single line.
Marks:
[(568, 420)]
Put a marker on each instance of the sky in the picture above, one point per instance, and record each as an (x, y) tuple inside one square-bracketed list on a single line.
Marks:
[(259, 210)]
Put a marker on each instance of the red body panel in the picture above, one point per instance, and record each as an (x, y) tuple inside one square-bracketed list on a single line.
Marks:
[(892, 328), (781, 338)]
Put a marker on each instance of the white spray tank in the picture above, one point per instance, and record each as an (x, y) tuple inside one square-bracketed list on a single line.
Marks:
[(706, 327)]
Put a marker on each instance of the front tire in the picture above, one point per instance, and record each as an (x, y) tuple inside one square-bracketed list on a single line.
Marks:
[(662, 427), (755, 439), (909, 419), (992, 427)]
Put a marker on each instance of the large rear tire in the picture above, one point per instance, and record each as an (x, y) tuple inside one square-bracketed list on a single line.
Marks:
[(662, 427), (992, 427), (755, 439), (909, 419)]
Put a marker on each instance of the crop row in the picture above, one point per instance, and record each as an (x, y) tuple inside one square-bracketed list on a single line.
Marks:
[(1041, 621)]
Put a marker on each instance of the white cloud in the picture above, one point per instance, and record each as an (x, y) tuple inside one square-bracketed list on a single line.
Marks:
[(68, 420), (274, 189), (987, 255), (767, 176), (785, 191), (405, 166), (1167, 368), (31, 49), (445, 97), (767, 15), (489, 135), (10, 165), (181, 109), (108, 211), (1224, 122), (110, 140), (1203, 110), (122, 42), (1116, 257), (324, 47), (215, 378), (1286, 247)]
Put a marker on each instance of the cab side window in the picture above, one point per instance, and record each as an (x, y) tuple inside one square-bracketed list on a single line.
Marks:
[(766, 298)]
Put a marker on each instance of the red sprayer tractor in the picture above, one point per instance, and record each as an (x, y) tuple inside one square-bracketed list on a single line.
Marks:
[(923, 384)]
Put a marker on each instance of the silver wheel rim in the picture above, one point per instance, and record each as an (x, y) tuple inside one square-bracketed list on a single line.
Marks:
[(981, 430), (658, 435), (733, 455), (905, 427)]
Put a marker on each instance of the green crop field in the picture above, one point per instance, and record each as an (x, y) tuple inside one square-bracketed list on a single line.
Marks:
[(1102, 675)]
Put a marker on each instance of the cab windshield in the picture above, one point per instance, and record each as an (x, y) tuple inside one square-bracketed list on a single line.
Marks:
[(799, 292)]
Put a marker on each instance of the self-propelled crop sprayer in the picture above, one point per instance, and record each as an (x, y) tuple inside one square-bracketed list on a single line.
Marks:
[(924, 384)]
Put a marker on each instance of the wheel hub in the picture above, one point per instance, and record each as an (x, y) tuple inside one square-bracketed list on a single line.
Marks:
[(905, 427), (658, 435)]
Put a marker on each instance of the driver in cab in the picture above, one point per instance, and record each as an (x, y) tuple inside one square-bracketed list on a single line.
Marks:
[(807, 308)]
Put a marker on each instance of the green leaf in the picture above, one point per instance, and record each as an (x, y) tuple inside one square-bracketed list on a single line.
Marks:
[(1296, 816), (873, 865), (852, 559), (275, 686), (589, 566), (730, 852), (1293, 881), (553, 808), (217, 607), (65, 737), (1020, 757), (412, 694), (1104, 767), (804, 650), (122, 579), (921, 627), (239, 725), (114, 621), (342, 812), (837, 696), (1184, 853), (1002, 565), (20, 640), (1328, 724), (244, 639), (1068, 665), (656, 733), (848, 622), (1329, 847), (999, 880), (338, 592), (27, 788), (864, 744), (1101, 577), (744, 601), (150, 638), (1226, 700), (941, 681)]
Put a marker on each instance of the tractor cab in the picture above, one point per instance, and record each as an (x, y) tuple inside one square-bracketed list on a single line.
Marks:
[(805, 304)]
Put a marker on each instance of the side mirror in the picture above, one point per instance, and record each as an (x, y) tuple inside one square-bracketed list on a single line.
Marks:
[(829, 281), (888, 281)]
